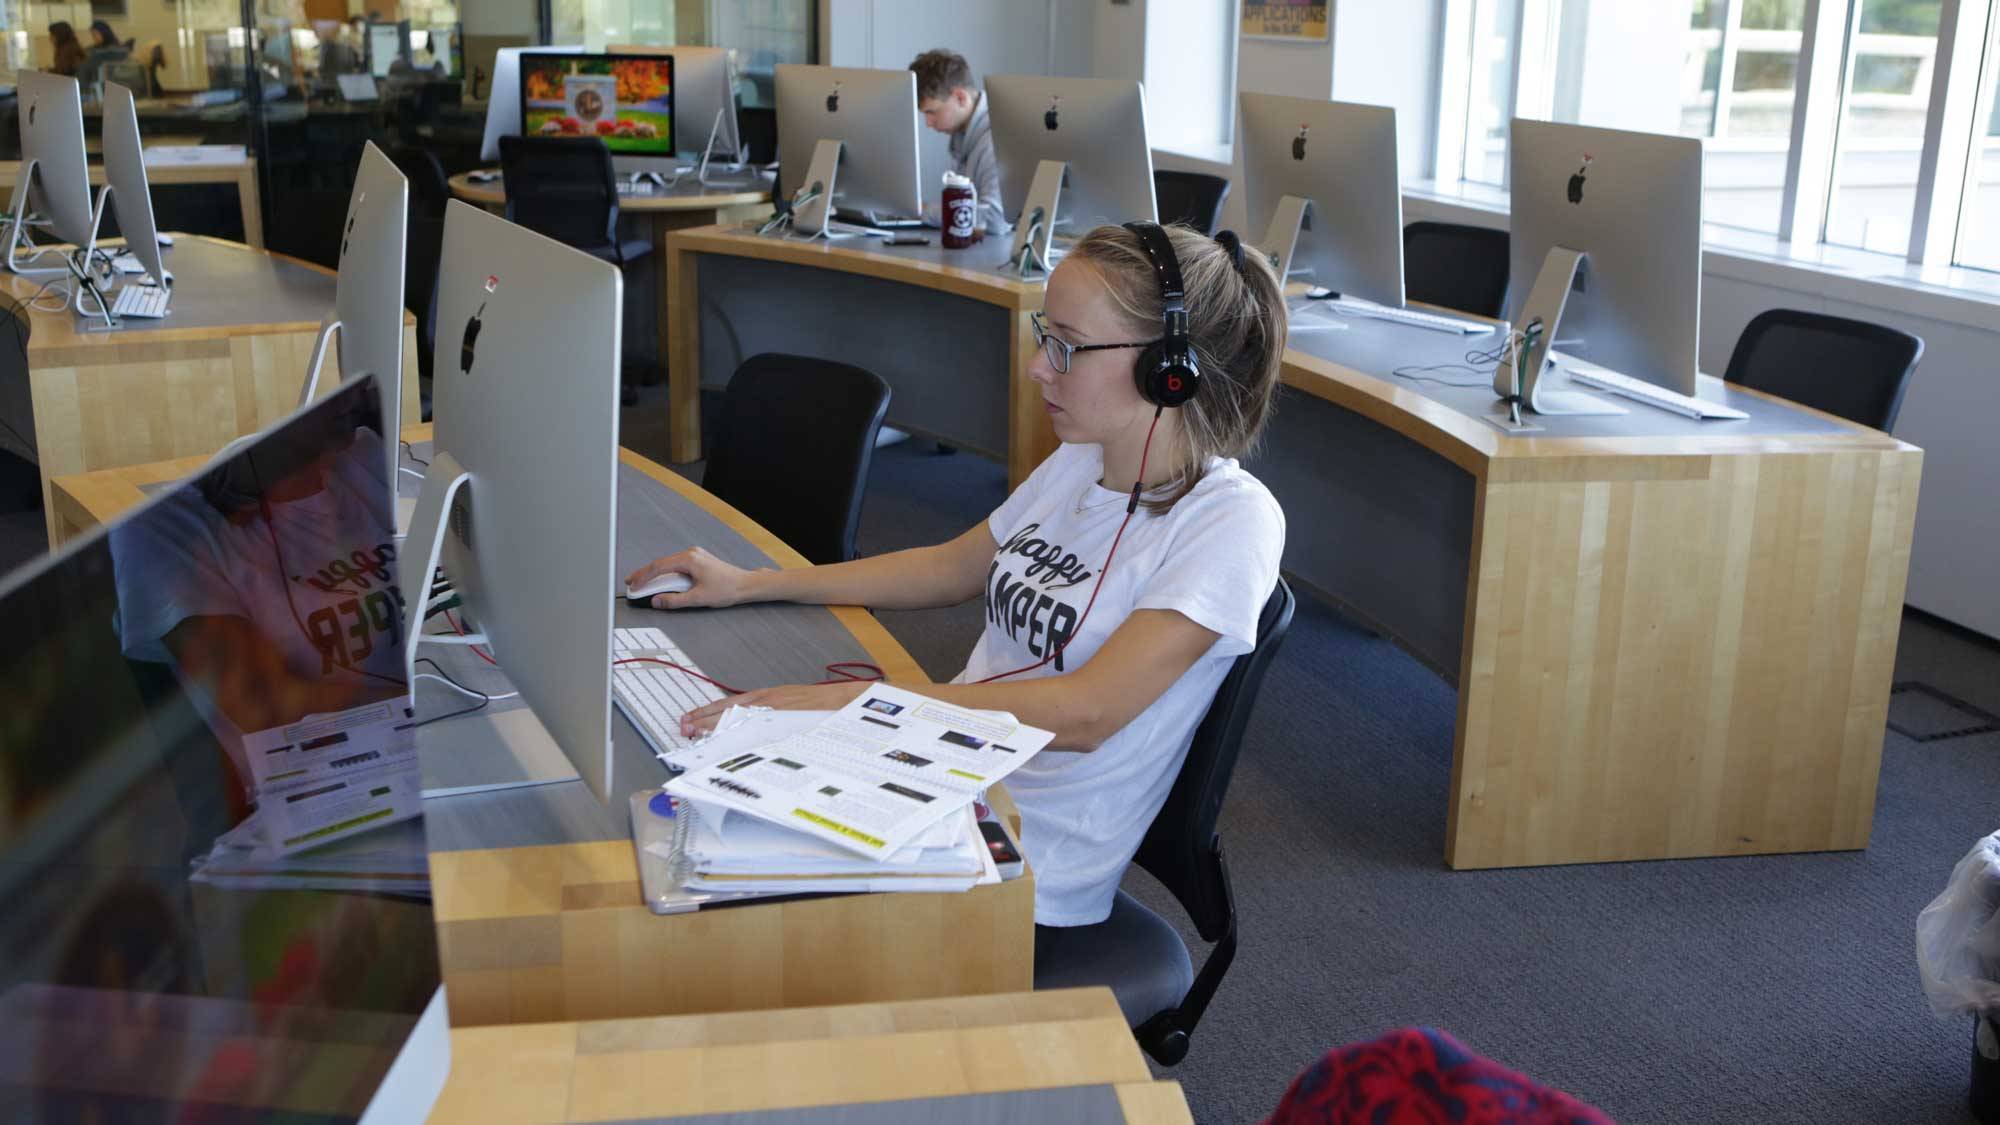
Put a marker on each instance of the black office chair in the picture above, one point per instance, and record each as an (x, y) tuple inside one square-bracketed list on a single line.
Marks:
[(1456, 267), (792, 447), (563, 187), (758, 126), (423, 245), (1190, 198), (1137, 953), (1849, 368)]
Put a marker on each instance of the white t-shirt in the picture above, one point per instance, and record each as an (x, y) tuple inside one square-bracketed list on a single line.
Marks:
[(185, 559), (1213, 558)]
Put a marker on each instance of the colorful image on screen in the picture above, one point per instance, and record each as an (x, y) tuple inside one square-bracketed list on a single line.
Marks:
[(626, 99)]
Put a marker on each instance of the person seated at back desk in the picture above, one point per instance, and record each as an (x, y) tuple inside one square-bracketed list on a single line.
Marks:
[(1120, 580), (104, 48), (954, 105)]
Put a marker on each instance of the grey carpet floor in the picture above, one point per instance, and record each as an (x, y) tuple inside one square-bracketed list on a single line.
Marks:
[(1770, 989)]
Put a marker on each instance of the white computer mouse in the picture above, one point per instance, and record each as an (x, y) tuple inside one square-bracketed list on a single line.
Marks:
[(664, 584), (164, 239)]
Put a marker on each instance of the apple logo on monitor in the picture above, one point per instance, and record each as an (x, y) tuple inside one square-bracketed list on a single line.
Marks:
[(833, 99), (470, 340), (1299, 143), (1049, 118), (32, 106), (349, 232), (1576, 181)]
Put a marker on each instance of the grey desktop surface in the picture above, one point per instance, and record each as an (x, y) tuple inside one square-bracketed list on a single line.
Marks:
[(721, 182), (1073, 1105), (744, 646), (224, 285), (1380, 348)]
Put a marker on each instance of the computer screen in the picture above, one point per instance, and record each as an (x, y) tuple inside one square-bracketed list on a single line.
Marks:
[(212, 848), (387, 43), (626, 99)]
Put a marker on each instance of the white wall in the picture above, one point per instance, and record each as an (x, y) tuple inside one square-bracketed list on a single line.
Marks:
[(996, 37), (1385, 53)]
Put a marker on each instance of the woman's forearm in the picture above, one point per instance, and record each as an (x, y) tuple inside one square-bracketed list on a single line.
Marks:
[(919, 578)]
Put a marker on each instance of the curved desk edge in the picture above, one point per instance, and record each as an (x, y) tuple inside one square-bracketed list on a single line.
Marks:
[(492, 194), (984, 286)]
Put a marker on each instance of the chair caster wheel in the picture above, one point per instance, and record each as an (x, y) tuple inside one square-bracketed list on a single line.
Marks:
[(1167, 1043)]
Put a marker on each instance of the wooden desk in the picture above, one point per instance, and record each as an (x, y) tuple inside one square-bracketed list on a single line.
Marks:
[(1670, 638), (538, 910), (242, 173), (227, 360), (811, 1057), (946, 329), (659, 213)]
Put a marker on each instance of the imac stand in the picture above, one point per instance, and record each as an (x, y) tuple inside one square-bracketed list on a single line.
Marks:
[(813, 205), (1545, 304), (708, 150), (82, 268), (16, 222), (1037, 228), (1292, 216), (309, 390), (425, 545)]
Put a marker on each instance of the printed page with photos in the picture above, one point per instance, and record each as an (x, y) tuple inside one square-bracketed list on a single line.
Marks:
[(872, 775)]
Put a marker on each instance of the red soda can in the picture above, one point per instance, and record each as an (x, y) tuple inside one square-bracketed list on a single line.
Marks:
[(959, 212)]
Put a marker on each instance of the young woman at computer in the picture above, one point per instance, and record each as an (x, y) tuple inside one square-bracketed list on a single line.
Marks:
[(1120, 661)]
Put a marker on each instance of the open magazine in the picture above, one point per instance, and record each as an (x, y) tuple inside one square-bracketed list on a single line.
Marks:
[(873, 775)]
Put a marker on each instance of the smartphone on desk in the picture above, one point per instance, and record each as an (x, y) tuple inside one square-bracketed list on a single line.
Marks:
[(1006, 854), (907, 240)]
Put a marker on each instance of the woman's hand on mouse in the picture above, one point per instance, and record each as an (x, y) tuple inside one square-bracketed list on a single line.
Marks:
[(715, 583)]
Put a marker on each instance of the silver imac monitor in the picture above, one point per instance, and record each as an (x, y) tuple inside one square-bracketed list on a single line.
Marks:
[(1094, 126), (125, 176), (1322, 190), (51, 112), (873, 116), (518, 499), (1630, 204), (212, 847), (366, 326), (503, 99), (704, 99)]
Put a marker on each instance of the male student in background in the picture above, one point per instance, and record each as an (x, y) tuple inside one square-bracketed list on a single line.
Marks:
[(953, 104)]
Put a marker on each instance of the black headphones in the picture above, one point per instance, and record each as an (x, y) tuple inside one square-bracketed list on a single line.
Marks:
[(1167, 372)]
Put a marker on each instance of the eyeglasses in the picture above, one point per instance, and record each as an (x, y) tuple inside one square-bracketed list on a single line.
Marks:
[(1059, 350)]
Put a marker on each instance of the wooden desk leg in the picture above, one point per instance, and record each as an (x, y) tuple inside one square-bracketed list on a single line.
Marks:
[(246, 198), (1030, 436), (683, 309)]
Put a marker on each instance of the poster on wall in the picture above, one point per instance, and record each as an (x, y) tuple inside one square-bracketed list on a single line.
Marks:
[(1295, 20)]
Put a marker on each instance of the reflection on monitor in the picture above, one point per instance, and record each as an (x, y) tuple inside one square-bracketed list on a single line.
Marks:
[(211, 842), (628, 100)]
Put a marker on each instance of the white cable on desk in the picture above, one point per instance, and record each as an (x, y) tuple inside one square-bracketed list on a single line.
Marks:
[(462, 689)]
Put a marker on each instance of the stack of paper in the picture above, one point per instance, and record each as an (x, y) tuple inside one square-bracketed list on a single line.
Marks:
[(391, 859), (876, 796)]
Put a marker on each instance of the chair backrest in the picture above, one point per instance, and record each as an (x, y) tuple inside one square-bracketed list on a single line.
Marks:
[(793, 446), (429, 191), (562, 187), (423, 244), (1181, 848), (1190, 198), (1849, 368), (758, 126), (1456, 267)]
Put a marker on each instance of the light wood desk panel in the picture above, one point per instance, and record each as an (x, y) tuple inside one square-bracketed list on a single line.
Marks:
[(557, 930), (227, 361), (240, 173), (802, 1058), (1676, 638)]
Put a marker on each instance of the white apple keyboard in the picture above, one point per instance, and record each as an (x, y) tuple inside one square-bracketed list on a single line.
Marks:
[(653, 695), (1624, 386), (663, 584), (147, 301)]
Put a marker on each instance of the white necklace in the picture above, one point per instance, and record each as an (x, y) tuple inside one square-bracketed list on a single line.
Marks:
[(1082, 507)]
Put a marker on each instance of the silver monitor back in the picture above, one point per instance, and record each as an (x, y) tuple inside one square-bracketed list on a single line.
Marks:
[(704, 83), (125, 173), (1341, 157), (1635, 210), (503, 99), (526, 401), (1095, 125), (873, 113), (51, 109), (368, 292)]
